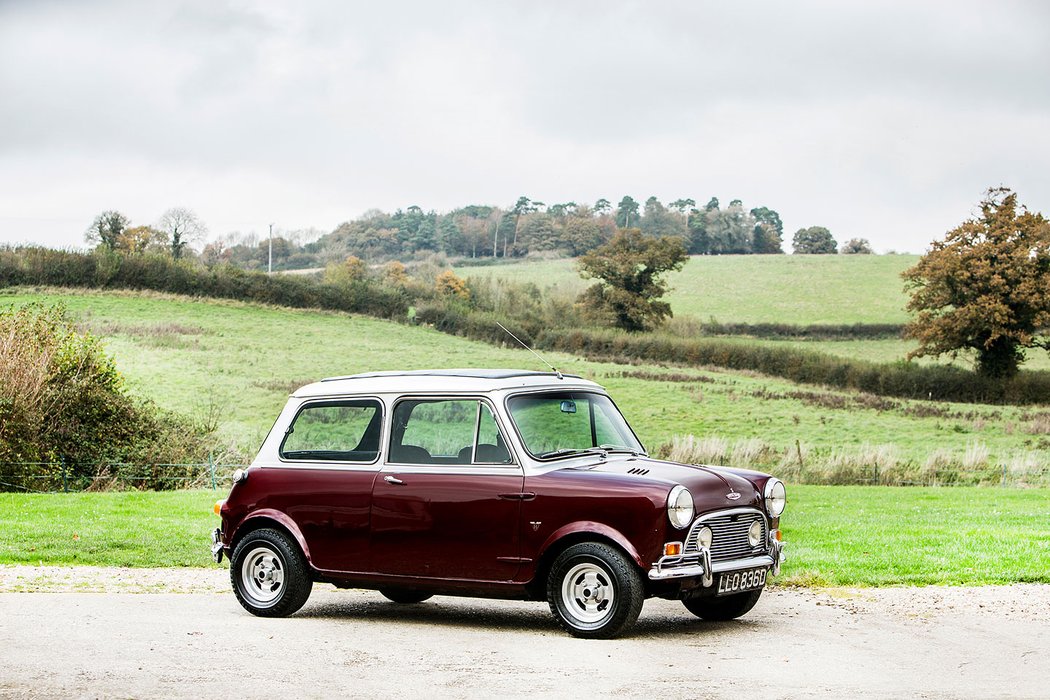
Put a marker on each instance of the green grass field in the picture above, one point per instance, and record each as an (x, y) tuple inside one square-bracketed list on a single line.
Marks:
[(241, 361), (796, 289), (836, 535)]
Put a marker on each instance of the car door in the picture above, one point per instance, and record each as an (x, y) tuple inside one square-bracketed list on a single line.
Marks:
[(447, 502), (330, 459)]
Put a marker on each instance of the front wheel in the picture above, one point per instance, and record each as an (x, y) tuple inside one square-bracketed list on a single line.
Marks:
[(269, 574), (728, 607), (594, 591)]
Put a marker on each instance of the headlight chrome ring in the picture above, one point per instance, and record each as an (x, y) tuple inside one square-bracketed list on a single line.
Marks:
[(680, 507), (775, 497)]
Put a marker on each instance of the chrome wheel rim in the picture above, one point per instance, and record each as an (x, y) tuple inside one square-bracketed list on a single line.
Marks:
[(588, 594), (262, 575)]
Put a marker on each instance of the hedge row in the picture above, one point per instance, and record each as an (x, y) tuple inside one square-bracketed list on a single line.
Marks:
[(819, 331), (42, 266)]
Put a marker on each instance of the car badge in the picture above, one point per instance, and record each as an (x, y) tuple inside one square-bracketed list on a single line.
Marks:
[(733, 496)]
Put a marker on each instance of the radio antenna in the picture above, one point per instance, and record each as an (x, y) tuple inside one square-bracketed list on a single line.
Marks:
[(522, 343)]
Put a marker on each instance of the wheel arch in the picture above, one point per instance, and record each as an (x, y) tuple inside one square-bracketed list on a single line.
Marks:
[(277, 520), (575, 533)]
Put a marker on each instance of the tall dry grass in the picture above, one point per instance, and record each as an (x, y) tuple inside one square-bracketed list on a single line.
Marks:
[(865, 464)]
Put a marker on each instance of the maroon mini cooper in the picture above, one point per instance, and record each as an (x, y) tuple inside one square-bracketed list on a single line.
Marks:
[(493, 483)]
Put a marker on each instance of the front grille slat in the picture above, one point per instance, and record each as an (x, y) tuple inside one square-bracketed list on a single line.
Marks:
[(728, 535)]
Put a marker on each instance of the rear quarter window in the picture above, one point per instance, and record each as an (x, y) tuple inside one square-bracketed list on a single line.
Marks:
[(335, 431)]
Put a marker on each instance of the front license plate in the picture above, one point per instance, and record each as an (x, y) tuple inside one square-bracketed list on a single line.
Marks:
[(737, 581)]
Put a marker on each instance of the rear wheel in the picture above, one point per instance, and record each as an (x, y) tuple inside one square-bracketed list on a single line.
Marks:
[(405, 596), (269, 574), (594, 591), (728, 607)]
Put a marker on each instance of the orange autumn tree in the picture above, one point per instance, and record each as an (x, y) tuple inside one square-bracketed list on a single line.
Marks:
[(985, 288)]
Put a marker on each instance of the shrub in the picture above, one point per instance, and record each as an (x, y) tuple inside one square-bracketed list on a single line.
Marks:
[(62, 402)]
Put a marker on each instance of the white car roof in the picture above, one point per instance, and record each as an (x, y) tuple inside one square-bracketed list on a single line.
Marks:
[(443, 380)]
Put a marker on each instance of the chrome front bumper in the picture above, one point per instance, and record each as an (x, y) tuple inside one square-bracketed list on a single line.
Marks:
[(699, 564), (216, 545)]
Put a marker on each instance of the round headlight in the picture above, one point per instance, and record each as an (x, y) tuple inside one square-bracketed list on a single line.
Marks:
[(754, 534), (776, 497), (704, 537), (680, 507)]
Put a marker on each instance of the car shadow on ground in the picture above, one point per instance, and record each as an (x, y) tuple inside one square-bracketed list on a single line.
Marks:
[(514, 616)]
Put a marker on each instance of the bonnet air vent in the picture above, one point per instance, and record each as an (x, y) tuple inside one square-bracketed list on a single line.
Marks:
[(638, 470)]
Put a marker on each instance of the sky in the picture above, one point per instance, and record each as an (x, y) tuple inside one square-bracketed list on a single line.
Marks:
[(883, 120)]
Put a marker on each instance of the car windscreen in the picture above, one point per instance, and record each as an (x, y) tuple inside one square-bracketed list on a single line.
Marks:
[(560, 423)]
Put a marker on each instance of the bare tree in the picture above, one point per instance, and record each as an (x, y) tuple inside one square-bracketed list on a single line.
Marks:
[(182, 226)]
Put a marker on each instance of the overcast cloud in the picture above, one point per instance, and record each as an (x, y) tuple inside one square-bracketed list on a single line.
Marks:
[(884, 120)]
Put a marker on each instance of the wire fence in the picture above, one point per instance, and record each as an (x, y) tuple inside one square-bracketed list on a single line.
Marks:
[(68, 477)]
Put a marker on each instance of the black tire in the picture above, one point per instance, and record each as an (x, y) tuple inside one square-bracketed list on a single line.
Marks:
[(728, 607), (594, 591), (405, 596), (269, 574)]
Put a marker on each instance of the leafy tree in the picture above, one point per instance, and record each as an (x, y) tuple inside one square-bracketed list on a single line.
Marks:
[(985, 288), (182, 227), (522, 207), (856, 246), (602, 206), (682, 205), (582, 233), (768, 234), (107, 228), (416, 230), (730, 230), (629, 267), (450, 285), (658, 221), (815, 240), (138, 239), (540, 231), (474, 233), (627, 212)]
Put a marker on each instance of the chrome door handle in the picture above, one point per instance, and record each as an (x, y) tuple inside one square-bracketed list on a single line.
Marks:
[(393, 480)]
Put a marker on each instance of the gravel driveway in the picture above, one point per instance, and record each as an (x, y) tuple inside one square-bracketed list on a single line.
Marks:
[(85, 632)]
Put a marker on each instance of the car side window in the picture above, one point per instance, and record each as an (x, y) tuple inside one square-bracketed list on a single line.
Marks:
[(335, 431), (446, 432), (490, 447)]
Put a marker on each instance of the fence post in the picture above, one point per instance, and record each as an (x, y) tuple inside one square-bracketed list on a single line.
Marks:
[(65, 484), (211, 468), (801, 467)]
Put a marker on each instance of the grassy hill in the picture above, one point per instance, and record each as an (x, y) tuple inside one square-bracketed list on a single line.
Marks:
[(239, 361), (796, 289), (785, 289)]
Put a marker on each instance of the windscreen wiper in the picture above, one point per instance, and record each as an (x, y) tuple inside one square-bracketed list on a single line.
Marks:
[(623, 448), (565, 451)]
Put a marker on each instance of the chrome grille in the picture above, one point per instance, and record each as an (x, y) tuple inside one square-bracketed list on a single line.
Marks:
[(728, 534)]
